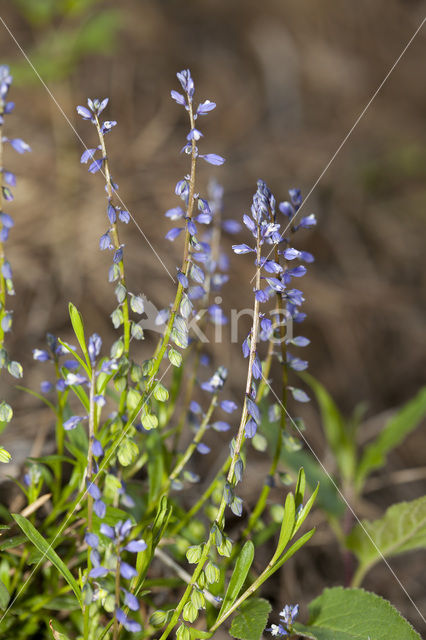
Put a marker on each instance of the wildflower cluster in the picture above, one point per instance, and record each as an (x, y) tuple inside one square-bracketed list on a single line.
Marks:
[(8, 180), (276, 272), (115, 542), (126, 465), (287, 617)]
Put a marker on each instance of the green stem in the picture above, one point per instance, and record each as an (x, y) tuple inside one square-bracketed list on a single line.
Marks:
[(234, 458), (164, 341), (266, 489), (116, 242), (90, 452), (359, 576), (214, 256), (117, 594), (92, 429)]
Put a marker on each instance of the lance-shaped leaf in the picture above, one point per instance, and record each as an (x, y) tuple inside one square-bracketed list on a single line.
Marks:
[(354, 614), (77, 325), (288, 554), (242, 567), (47, 550), (299, 491), (287, 525), (4, 596), (393, 433), (402, 528)]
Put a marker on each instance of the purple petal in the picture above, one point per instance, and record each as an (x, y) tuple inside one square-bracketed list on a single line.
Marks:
[(84, 113), (9, 178), (130, 600), (41, 355), (99, 508), (93, 490), (72, 422), (6, 220), (97, 448), (178, 97), (92, 540), (228, 405), (124, 216), (253, 410), (203, 448), (221, 425), (213, 158), (241, 248), (175, 214), (111, 213), (98, 572), (250, 428), (172, 234), (134, 546), (231, 226), (87, 155), (127, 571), (205, 107), (182, 279), (291, 254), (96, 165), (299, 395), (19, 145), (107, 531)]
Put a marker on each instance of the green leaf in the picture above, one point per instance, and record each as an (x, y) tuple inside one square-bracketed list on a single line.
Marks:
[(242, 567), (4, 596), (251, 619), (338, 434), (393, 433), (197, 634), (354, 614), (299, 492), (289, 553), (156, 470), (81, 395), (77, 325), (11, 543), (402, 528), (46, 549), (57, 634), (305, 511), (287, 525)]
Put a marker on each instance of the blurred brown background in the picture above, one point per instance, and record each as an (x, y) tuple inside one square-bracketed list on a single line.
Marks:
[(290, 78)]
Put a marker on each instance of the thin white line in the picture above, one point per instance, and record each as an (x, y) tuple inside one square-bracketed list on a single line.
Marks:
[(347, 136), (102, 466), (80, 139), (346, 502)]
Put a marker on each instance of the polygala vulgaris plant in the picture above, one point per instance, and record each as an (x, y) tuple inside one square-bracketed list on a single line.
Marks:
[(106, 546)]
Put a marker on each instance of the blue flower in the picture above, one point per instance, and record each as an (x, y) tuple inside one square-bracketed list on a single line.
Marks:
[(213, 158), (128, 624)]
